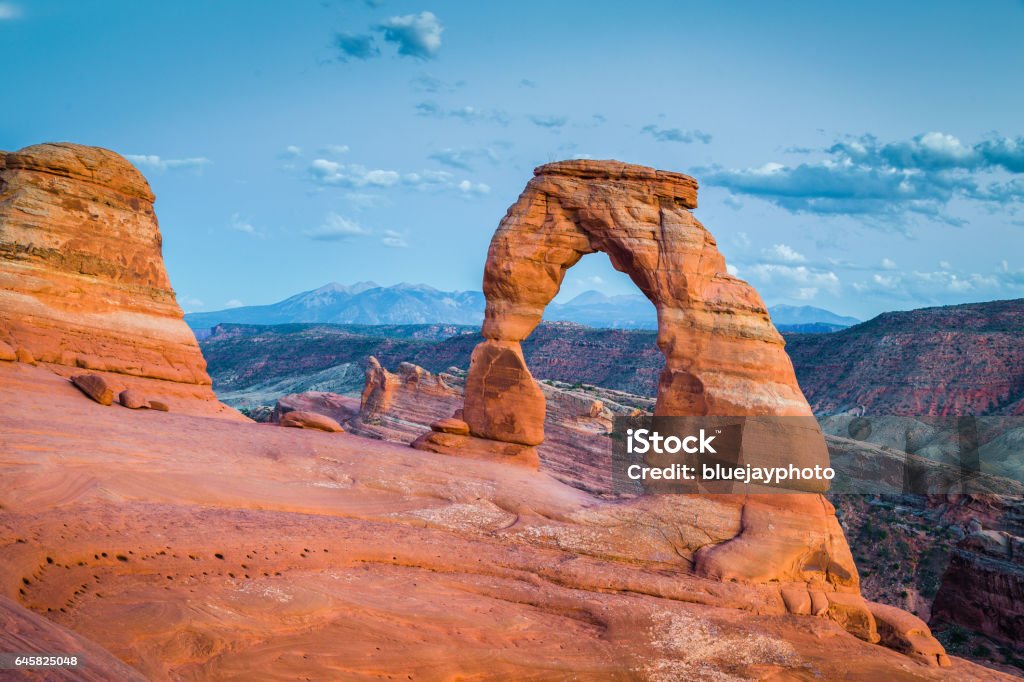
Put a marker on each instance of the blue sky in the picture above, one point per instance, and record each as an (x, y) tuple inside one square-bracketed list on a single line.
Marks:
[(857, 156)]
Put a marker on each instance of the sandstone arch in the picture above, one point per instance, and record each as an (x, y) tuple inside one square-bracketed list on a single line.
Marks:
[(723, 356)]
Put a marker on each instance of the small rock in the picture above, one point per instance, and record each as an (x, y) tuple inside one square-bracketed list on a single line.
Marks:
[(797, 600), (94, 386), (909, 634), (7, 353), (451, 425), (159, 405), (133, 399), (311, 420), (595, 408), (23, 355)]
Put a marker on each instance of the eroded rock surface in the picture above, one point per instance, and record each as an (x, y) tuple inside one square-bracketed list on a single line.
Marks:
[(82, 278), (723, 357), (205, 549)]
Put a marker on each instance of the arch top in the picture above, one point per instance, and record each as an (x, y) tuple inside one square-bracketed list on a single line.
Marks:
[(667, 184)]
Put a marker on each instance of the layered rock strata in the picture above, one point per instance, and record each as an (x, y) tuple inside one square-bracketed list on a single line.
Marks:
[(82, 278)]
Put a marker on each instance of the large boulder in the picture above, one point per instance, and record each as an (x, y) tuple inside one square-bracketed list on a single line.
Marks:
[(310, 420), (95, 386), (340, 408)]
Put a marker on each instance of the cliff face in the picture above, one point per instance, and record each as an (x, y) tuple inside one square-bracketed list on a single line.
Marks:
[(82, 279), (953, 360), (983, 587)]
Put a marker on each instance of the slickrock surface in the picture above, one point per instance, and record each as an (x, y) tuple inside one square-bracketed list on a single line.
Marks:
[(199, 548), (82, 279)]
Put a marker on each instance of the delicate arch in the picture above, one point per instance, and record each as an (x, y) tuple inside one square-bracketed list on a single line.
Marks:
[(723, 356)]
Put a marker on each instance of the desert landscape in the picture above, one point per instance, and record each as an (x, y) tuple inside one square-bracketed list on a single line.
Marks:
[(401, 340), (166, 535)]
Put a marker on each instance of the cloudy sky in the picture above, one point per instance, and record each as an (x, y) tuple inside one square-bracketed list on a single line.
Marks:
[(857, 156)]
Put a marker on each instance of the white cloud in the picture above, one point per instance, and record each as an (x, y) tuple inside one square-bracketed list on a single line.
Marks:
[(337, 228), (467, 187), (806, 293), (8, 10), (797, 276), (733, 202), (290, 152), (237, 223), (233, 303), (550, 122), (328, 172), (888, 264), (463, 158), (158, 163), (785, 253), (190, 304), (468, 114), (919, 176), (335, 149), (393, 239), (416, 35), (676, 135), (944, 286)]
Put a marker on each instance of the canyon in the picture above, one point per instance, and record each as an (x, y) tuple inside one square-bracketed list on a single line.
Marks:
[(195, 543)]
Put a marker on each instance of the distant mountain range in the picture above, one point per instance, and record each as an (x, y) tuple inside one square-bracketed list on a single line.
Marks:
[(371, 304), (953, 360)]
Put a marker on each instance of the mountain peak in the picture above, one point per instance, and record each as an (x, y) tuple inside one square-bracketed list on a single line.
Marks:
[(339, 288)]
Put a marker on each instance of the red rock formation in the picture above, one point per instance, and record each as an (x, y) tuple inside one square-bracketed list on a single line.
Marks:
[(133, 399), (205, 549), (82, 279), (310, 420), (723, 357), (94, 386), (983, 586), (409, 397), (338, 407), (949, 360)]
